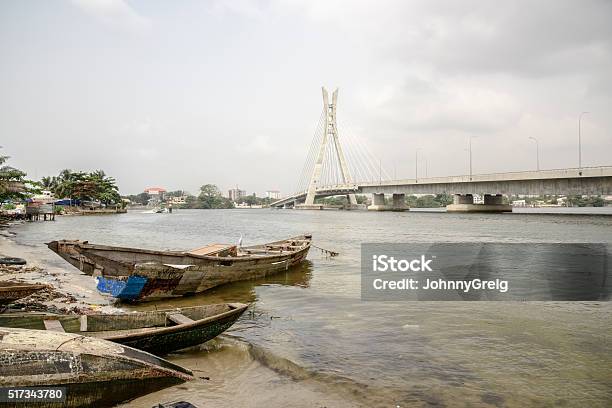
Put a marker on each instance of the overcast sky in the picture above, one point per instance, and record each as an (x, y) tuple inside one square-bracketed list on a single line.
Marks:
[(179, 94)]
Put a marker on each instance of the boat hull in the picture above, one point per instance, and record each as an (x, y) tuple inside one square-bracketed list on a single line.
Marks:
[(94, 372), (135, 275), (148, 331), (164, 343)]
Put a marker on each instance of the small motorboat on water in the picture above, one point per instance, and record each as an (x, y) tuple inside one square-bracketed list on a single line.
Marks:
[(86, 371), (133, 274), (11, 291), (158, 332)]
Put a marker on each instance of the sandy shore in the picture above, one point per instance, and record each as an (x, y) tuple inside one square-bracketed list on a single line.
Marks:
[(69, 292)]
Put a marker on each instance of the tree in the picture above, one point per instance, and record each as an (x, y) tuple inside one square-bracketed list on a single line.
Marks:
[(210, 197), (143, 198), (177, 193), (94, 186), (444, 199), (49, 183), (251, 200), (13, 184)]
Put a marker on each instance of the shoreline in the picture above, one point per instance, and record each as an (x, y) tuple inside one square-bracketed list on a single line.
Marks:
[(65, 294)]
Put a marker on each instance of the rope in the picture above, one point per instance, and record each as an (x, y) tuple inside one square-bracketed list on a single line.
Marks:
[(327, 251)]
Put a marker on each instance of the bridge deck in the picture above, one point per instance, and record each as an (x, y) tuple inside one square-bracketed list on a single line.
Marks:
[(586, 180)]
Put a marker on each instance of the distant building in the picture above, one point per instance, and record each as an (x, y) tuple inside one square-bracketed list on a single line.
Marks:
[(178, 200), (156, 194), (236, 194), (273, 194), (519, 203)]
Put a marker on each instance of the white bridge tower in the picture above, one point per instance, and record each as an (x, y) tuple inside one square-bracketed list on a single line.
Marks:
[(330, 135)]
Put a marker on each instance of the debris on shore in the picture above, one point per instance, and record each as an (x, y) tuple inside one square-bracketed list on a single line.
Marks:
[(19, 268), (39, 302)]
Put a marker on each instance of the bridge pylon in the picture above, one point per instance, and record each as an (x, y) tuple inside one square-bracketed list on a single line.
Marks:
[(330, 135)]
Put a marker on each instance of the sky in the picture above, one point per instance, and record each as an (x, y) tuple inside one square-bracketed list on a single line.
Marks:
[(181, 94)]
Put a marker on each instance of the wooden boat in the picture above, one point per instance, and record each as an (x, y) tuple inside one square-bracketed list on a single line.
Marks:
[(139, 274), (94, 372), (158, 332), (11, 291)]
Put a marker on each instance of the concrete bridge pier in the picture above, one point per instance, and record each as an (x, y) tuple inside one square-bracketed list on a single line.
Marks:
[(351, 203), (398, 202), (378, 202), (465, 203)]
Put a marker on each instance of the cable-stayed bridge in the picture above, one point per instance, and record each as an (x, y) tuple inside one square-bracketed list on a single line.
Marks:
[(335, 169)]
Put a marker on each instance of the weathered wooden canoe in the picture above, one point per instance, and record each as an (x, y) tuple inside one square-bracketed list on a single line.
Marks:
[(11, 291), (94, 372), (158, 332), (138, 274)]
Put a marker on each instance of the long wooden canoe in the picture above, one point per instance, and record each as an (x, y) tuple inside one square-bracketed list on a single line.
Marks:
[(139, 274), (11, 291), (94, 372), (158, 332)]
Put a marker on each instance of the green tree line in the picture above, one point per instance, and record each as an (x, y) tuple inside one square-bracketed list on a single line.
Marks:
[(209, 197), (79, 185)]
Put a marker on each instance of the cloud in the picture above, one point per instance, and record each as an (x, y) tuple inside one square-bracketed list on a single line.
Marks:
[(115, 13), (521, 38), (439, 105), (228, 91), (247, 8)]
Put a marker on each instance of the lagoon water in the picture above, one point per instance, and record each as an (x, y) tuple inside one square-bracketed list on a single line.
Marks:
[(308, 339)]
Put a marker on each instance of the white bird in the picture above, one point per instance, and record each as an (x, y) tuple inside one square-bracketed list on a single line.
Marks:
[(240, 241)]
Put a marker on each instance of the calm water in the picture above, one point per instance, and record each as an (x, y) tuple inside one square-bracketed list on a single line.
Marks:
[(310, 341)]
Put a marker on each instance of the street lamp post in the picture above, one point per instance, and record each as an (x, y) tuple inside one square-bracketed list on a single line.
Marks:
[(416, 164), (470, 151), (537, 151), (580, 139)]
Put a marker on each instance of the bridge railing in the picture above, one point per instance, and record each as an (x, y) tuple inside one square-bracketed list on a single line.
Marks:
[(598, 171)]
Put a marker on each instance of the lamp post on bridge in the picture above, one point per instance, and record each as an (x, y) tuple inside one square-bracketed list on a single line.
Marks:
[(470, 151), (580, 139), (537, 151), (416, 164)]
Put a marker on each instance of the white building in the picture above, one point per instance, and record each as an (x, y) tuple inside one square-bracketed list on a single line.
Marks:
[(156, 195), (236, 194), (178, 200)]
